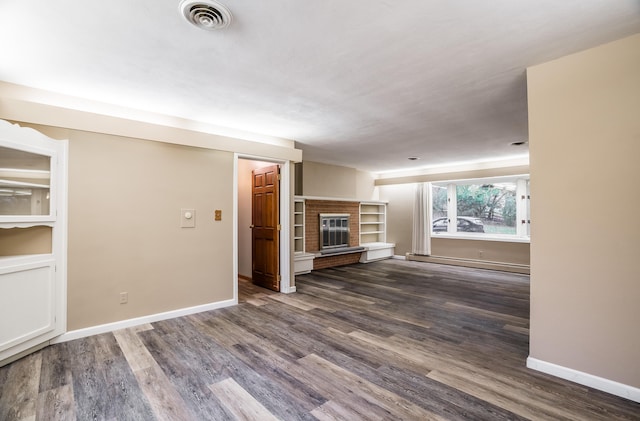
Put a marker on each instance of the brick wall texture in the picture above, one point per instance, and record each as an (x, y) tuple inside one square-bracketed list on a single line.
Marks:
[(313, 209), (333, 261)]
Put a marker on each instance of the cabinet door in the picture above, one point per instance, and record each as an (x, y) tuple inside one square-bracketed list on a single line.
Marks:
[(27, 304), (32, 194)]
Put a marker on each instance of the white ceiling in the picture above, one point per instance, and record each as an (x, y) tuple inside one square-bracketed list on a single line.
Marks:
[(360, 83)]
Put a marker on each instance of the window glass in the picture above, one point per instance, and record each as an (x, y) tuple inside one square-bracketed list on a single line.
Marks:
[(24, 183), (439, 200), (440, 225), (487, 208)]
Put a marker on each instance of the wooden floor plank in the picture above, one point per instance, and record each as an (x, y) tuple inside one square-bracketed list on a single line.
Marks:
[(18, 402), (56, 404), (397, 407), (240, 403), (333, 411), (514, 400), (507, 318), (164, 400), (386, 340), (294, 301)]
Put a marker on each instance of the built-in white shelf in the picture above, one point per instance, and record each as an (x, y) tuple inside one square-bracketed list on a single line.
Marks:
[(298, 226), (373, 232), (302, 261), (373, 217)]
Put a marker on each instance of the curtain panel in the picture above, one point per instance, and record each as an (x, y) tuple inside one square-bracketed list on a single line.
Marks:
[(421, 243)]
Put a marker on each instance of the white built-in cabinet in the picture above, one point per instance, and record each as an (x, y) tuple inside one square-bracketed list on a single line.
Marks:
[(373, 232), (33, 232), (298, 225), (302, 261), (373, 216)]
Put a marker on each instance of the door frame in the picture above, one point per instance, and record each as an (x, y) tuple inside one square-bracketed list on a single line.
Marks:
[(286, 198)]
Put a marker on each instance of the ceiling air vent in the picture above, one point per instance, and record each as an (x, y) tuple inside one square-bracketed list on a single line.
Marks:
[(207, 14)]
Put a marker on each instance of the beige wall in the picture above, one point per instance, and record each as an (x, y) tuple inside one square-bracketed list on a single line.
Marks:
[(584, 124), (125, 197), (513, 253), (399, 215), (245, 167), (21, 241), (333, 181)]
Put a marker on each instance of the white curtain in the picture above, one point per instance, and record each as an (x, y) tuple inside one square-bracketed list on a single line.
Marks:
[(422, 220)]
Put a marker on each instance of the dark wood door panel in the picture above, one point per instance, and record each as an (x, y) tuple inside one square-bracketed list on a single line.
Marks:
[(265, 233)]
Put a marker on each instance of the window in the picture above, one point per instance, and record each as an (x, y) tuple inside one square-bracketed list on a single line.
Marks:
[(482, 208)]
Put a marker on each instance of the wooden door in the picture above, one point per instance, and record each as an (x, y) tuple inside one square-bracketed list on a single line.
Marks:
[(265, 237)]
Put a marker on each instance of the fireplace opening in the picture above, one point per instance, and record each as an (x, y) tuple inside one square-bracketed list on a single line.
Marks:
[(334, 230)]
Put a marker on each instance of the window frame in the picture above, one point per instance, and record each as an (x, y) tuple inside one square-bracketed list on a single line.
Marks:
[(523, 222)]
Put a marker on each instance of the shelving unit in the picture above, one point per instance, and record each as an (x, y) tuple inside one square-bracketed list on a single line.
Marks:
[(373, 232), (298, 225), (302, 261), (373, 217)]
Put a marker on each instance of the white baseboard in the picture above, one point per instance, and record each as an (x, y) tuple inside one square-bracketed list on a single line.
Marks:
[(110, 327), (585, 379), (399, 257)]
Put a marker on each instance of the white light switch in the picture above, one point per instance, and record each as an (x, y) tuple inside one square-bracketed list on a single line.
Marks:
[(187, 218)]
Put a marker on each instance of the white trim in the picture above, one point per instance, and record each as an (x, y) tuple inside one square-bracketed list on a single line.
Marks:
[(585, 379), (452, 210), (399, 257), (22, 103), (344, 199), (122, 324), (285, 223), (61, 231), (521, 208), (234, 223), (452, 167), (505, 238), (285, 220)]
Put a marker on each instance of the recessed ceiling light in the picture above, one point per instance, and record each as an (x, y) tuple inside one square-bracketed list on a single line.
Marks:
[(519, 143), (413, 158)]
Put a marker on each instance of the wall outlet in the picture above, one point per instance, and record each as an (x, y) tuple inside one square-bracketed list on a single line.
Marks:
[(124, 297), (480, 253)]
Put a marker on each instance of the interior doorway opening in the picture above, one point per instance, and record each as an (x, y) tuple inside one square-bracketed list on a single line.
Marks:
[(245, 165)]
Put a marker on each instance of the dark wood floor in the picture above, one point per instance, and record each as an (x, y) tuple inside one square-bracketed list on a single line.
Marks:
[(388, 340)]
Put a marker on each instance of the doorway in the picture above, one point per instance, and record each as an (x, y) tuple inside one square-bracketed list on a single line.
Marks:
[(243, 219)]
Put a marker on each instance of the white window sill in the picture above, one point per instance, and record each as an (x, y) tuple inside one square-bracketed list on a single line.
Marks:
[(481, 237)]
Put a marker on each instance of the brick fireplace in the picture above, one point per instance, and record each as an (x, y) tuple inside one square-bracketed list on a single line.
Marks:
[(313, 209)]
